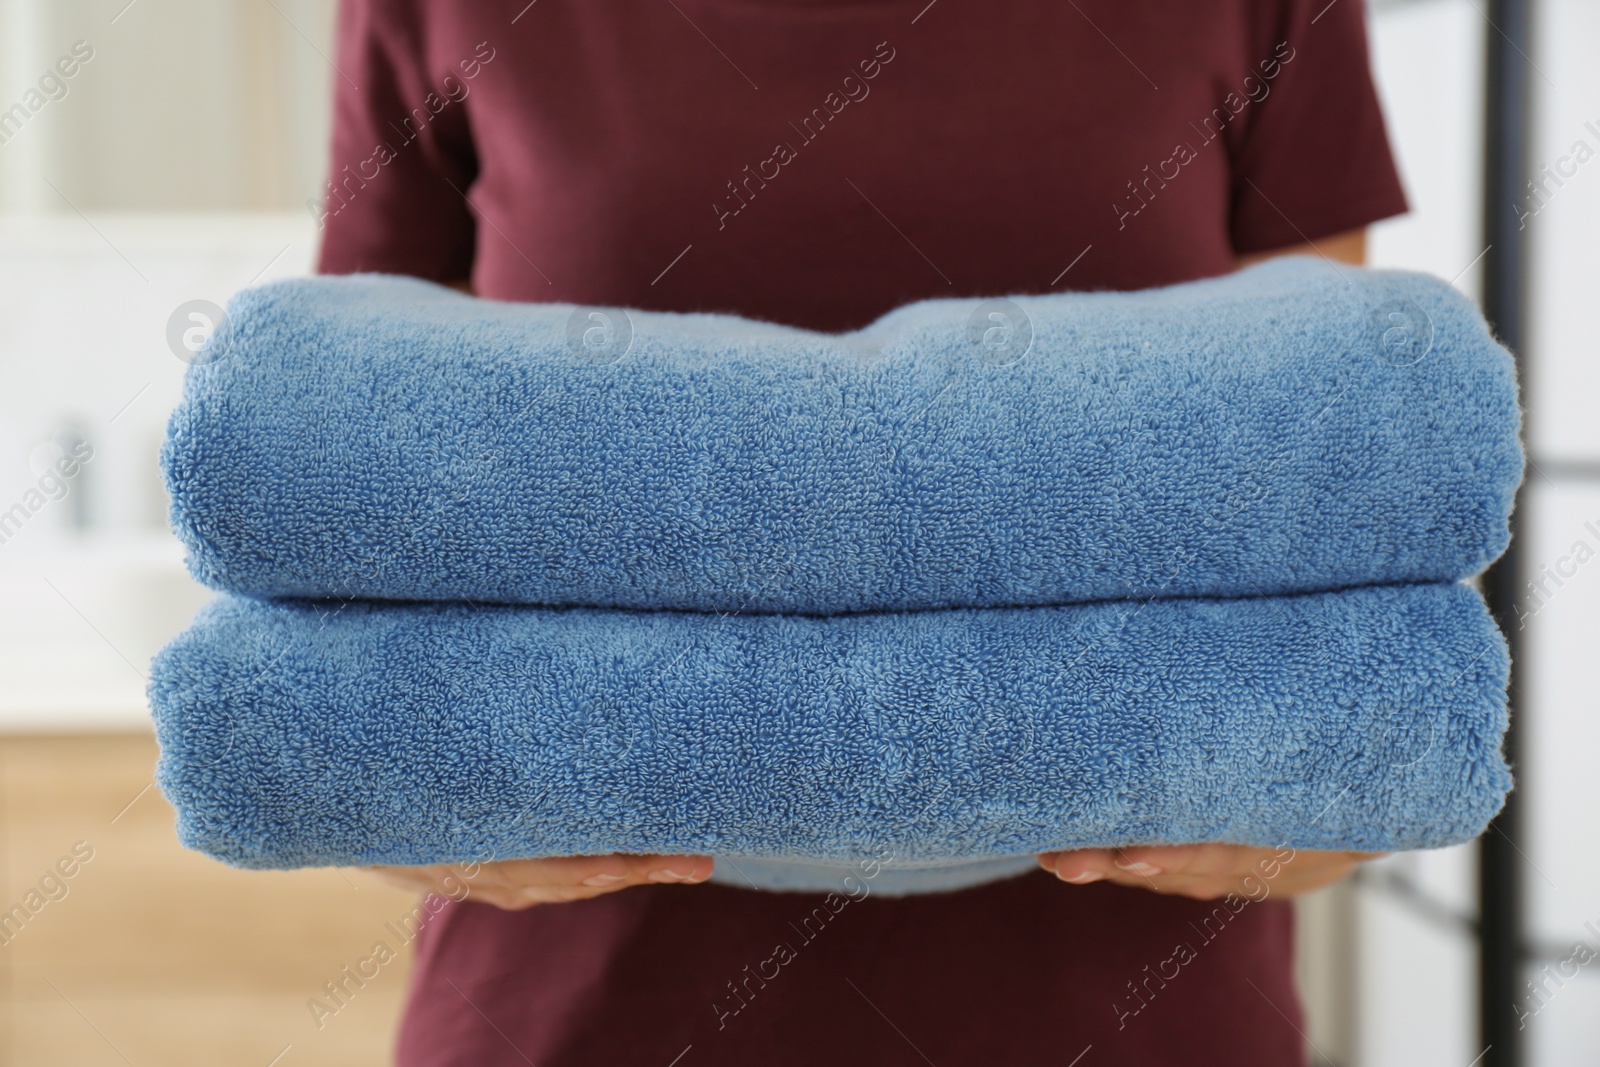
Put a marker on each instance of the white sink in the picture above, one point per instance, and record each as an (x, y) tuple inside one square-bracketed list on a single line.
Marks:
[(81, 621)]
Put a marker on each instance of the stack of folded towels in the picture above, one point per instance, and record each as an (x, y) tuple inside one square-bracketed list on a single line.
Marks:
[(1184, 565)]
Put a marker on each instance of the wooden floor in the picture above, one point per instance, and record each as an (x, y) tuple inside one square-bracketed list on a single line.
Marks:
[(158, 957)]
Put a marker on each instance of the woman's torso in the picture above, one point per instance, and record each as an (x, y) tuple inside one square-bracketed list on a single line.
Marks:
[(818, 163)]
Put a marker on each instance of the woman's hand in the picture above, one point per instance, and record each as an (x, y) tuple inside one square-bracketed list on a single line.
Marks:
[(1206, 872), (517, 884)]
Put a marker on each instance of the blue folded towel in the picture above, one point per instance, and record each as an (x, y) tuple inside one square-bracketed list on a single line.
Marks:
[(948, 745), (1290, 428)]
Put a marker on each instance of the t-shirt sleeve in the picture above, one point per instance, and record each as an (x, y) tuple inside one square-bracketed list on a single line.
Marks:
[(402, 158), (1313, 158)]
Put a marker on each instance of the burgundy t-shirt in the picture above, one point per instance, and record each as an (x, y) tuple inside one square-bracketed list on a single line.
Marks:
[(817, 163)]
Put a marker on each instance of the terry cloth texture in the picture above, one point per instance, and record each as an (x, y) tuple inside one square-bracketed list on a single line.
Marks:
[(299, 733), (1293, 427)]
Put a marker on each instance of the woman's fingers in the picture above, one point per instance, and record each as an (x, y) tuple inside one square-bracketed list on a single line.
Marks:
[(523, 883), (1080, 866), (1206, 871), (411, 878), (603, 873)]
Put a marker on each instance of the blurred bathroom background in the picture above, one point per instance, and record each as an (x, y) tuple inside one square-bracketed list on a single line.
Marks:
[(175, 165)]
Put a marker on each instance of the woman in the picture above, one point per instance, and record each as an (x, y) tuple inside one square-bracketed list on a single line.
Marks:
[(818, 163)]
